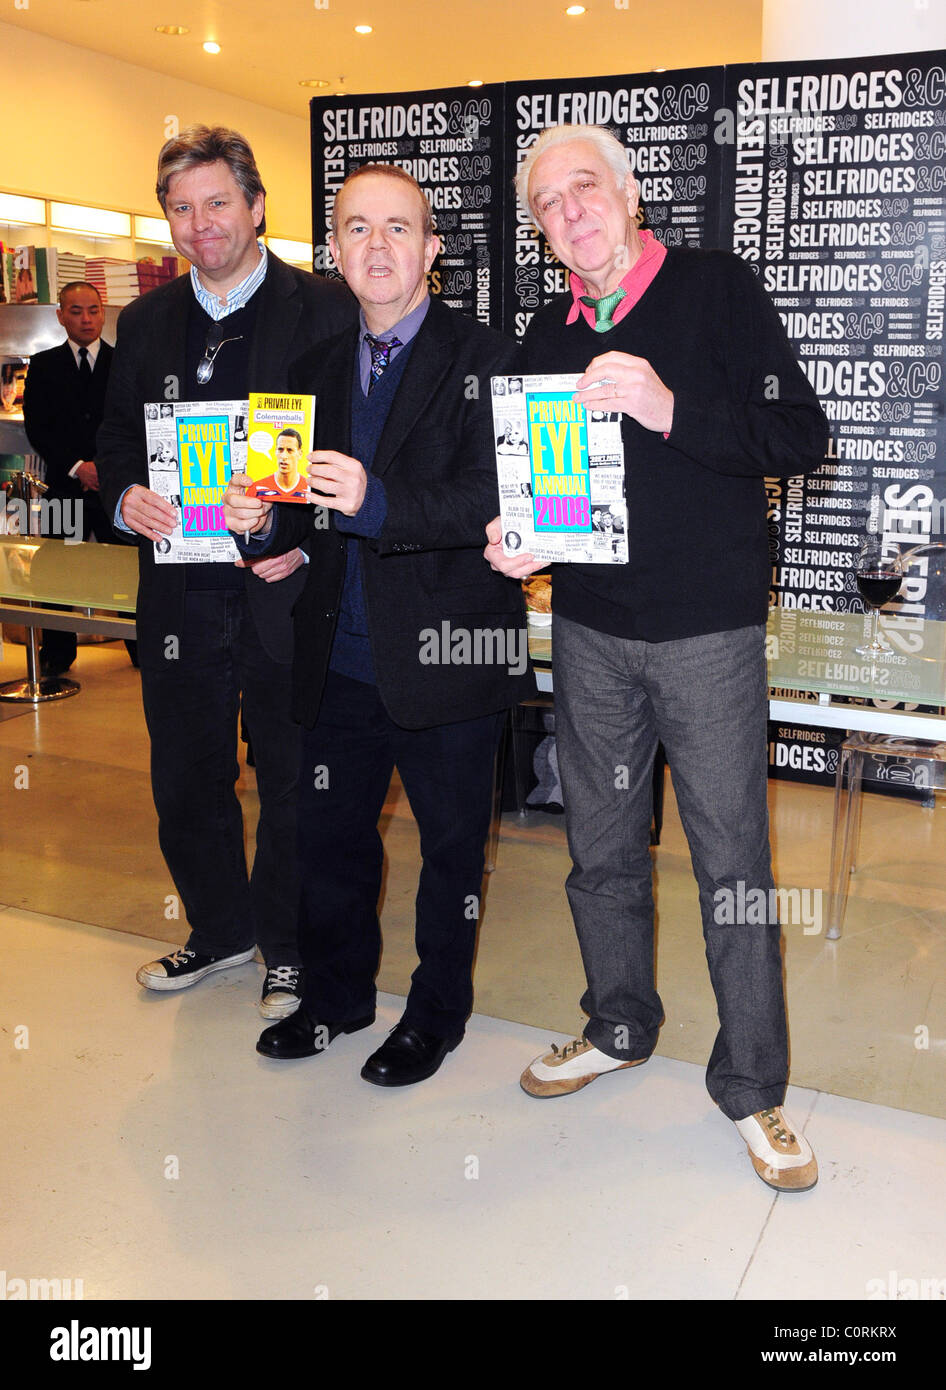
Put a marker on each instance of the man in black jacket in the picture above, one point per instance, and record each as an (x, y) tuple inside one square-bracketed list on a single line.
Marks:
[(408, 649), (671, 646), (63, 402), (213, 637)]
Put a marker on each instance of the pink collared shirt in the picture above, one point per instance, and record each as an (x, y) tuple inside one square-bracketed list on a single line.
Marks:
[(635, 282)]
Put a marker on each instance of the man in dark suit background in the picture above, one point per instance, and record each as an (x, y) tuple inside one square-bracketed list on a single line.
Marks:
[(63, 400), (404, 468), (213, 637)]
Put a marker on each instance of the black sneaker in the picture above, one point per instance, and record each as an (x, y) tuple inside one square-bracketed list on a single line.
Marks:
[(282, 991), (184, 968)]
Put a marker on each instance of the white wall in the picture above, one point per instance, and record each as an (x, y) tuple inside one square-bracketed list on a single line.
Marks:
[(794, 29), (84, 127)]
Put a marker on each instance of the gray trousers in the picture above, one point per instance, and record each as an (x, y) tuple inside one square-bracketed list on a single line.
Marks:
[(706, 699)]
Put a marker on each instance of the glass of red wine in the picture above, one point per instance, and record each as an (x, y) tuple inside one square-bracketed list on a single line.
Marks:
[(879, 574)]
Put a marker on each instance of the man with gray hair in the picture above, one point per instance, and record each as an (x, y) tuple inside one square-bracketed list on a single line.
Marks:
[(215, 640), (669, 647)]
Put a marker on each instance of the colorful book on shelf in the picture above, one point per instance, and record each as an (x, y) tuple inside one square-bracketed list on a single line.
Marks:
[(23, 277), (46, 273)]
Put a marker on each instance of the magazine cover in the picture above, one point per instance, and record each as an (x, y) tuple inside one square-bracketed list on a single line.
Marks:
[(24, 275), (281, 434), (561, 472), (193, 446)]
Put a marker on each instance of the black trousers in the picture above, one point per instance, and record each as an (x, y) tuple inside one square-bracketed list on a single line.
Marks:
[(447, 773), (192, 707)]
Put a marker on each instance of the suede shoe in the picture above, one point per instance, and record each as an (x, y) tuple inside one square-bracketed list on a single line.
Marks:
[(782, 1159), (407, 1055), (300, 1035), (569, 1068)]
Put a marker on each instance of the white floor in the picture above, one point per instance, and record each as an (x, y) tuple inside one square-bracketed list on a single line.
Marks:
[(150, 1152)]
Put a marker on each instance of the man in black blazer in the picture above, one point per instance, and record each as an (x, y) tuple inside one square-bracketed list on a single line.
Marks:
[(63, 402), (408, 647), (214, 638)]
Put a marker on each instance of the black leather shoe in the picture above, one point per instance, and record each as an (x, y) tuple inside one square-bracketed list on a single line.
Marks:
[(299, 1035), (407, 1055)]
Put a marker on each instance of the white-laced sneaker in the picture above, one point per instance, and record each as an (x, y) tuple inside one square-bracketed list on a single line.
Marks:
[(184, 968), (566, 1069), (282, 991), (782, 1158)]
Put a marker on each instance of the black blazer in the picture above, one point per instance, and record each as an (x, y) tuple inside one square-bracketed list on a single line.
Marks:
[(296, 310), (436, 460), (60, 424)]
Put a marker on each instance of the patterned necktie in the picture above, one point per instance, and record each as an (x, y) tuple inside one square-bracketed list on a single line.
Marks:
[(604, 308), (380, 356)]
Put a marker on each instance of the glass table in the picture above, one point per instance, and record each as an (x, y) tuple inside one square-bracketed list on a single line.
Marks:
[(36, 571)]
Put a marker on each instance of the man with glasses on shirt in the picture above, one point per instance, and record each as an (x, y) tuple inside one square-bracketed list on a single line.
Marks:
[(215, 638)]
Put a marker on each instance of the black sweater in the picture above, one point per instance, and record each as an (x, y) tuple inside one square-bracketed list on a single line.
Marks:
[(743, 411)]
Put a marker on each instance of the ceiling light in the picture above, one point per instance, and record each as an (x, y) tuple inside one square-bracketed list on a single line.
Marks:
[(16, 208), (315, 82), (153, 229), (475, 82), (174, 30), (575, 9), (73, 217), (211, 47), (362, 28), (299, 252)]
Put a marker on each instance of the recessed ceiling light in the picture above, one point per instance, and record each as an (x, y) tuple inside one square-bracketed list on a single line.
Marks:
[(362, 28), (475, 82), (575, 9), (211, 47), (173, 29), (315, 82)]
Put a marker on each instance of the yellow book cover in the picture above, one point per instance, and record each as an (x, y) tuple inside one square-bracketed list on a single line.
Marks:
[(280, 437)]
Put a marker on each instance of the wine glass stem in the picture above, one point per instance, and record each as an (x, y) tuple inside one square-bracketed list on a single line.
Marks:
[(876, 616)]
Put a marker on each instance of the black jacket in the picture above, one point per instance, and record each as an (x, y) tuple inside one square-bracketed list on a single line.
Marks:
[(296, 310), (61, 421), (436, 461)]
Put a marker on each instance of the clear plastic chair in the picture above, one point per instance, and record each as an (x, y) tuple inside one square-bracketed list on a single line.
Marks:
[(879, 758)]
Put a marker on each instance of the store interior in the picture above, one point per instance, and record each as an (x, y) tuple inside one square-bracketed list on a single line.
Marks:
[(166, 1159)]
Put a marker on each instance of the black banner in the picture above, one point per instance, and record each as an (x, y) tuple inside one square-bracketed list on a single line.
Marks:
[(451, 141), (664, 120), (836, 194), (828, 177)]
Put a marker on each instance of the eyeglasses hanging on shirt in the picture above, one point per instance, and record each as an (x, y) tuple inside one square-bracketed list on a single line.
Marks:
[(215, 341)]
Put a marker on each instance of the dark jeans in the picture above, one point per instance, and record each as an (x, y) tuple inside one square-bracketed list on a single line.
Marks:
[(706, 699), (447, 772), (192, 707)]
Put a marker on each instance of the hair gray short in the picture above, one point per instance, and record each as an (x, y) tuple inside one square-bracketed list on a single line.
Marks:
[(609, 147), (202, 144)]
